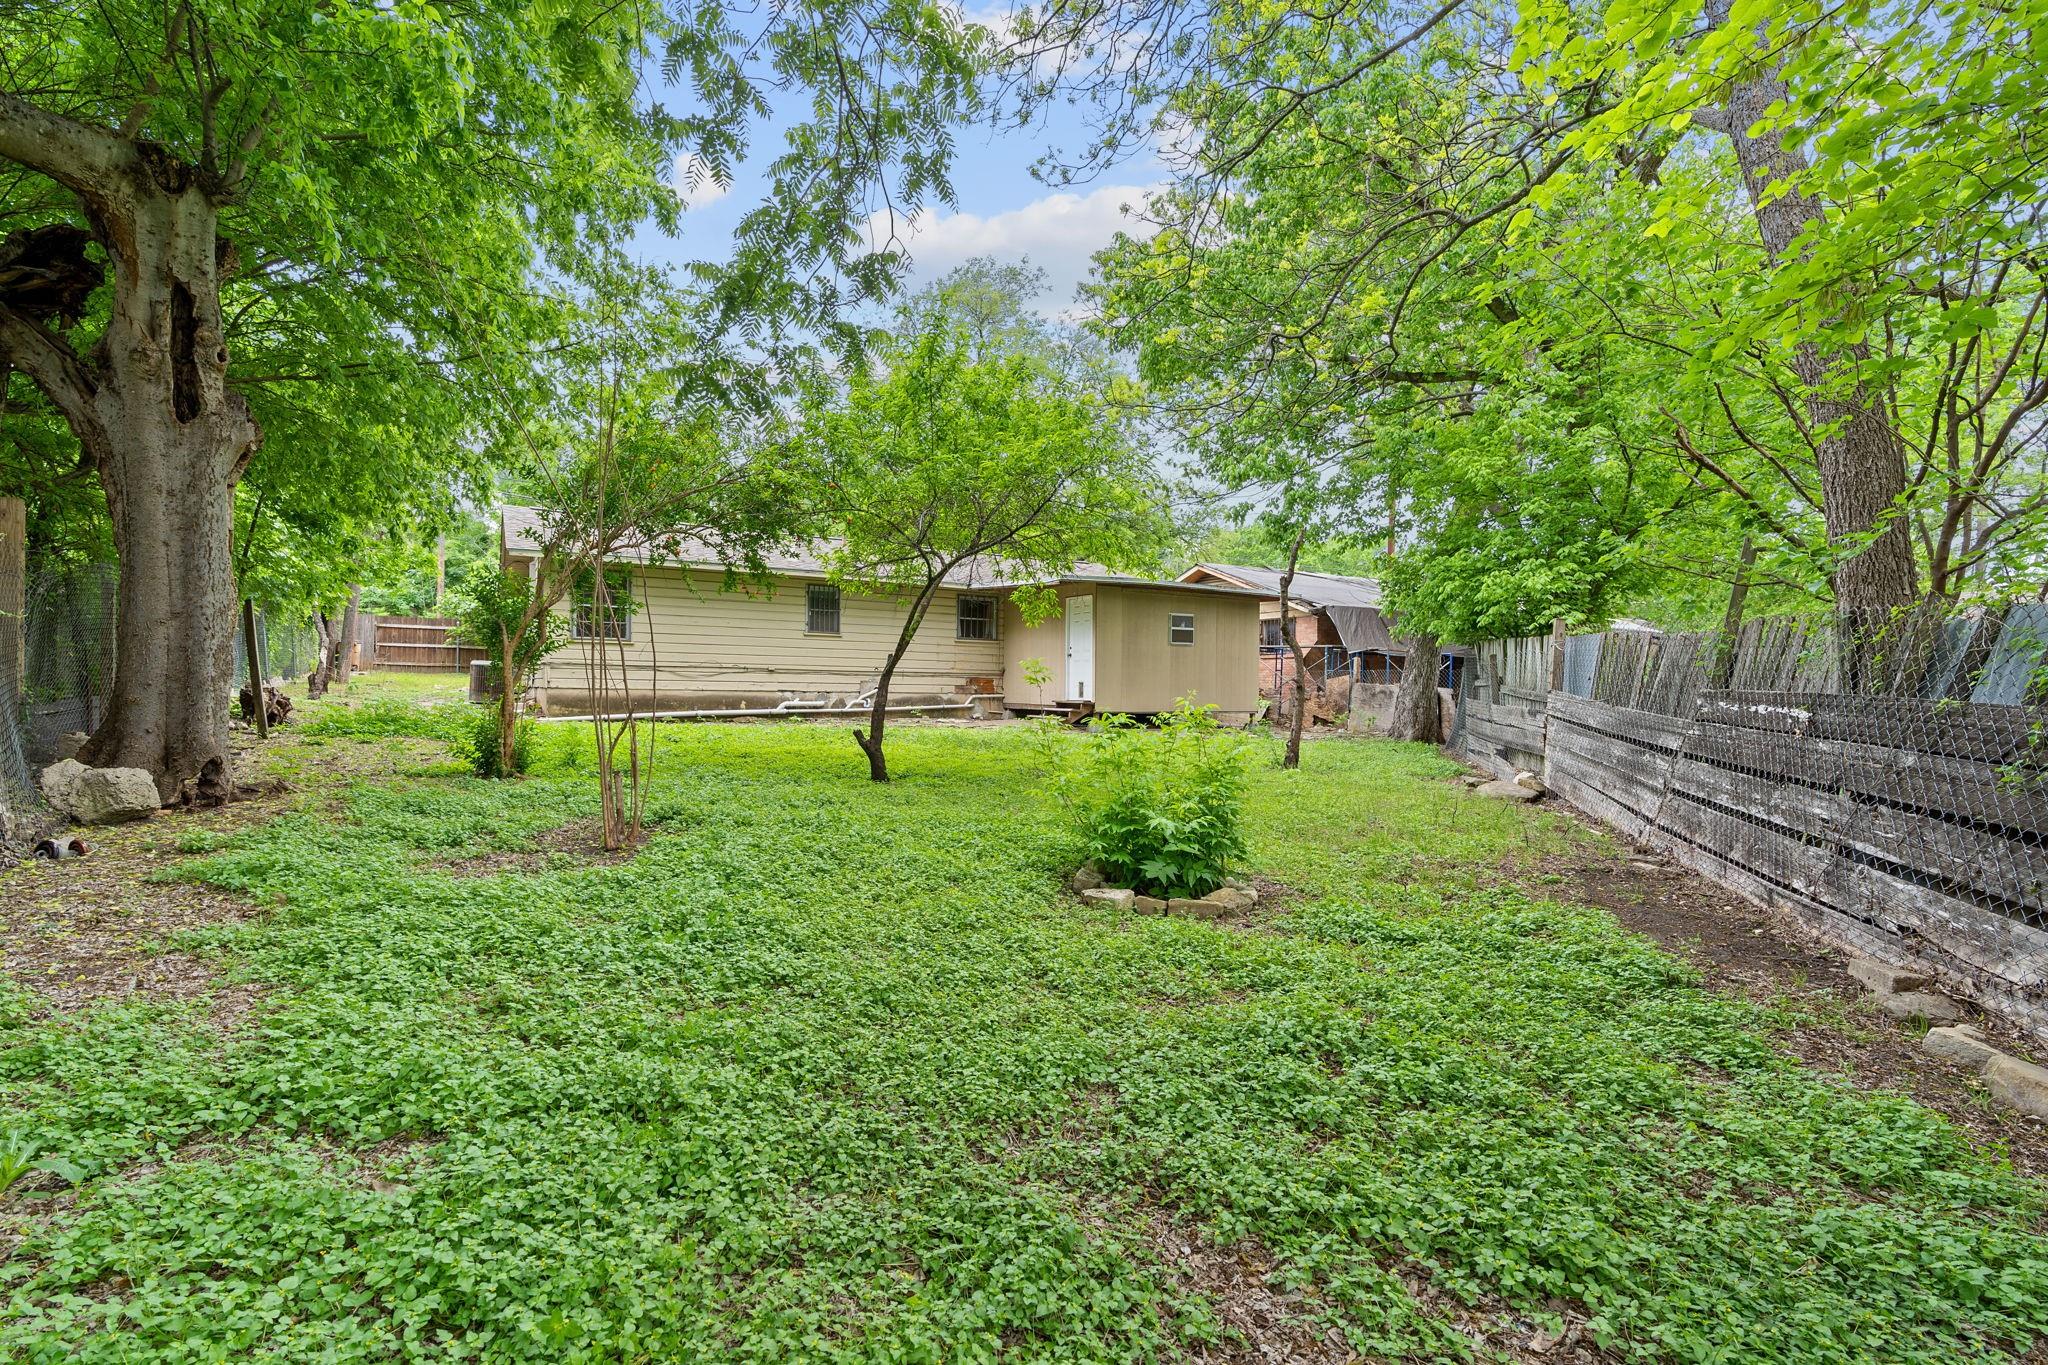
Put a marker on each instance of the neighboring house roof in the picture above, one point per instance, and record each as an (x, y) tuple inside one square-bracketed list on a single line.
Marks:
[(519, 534), (1352, 604), (1318, 590)]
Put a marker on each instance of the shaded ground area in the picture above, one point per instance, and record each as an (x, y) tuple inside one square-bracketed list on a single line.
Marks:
[(1747, 950)]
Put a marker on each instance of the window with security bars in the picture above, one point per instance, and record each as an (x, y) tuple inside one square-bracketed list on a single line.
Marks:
[(976, 618), (1269, 634), (617, 616), (821, 609), (1180, 628)]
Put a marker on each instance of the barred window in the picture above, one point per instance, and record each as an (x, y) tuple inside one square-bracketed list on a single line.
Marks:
[(1269, 633), (976, 618), (821, 609), (1180, 628)]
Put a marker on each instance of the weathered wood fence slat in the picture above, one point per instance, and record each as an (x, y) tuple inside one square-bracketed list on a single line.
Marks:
[(1910, 827)]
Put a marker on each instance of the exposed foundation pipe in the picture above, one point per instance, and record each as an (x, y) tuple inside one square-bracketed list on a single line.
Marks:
[(771, 712)]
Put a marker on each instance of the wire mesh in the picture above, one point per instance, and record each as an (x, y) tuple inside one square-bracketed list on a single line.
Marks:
[(1887, 769), (54, 681)]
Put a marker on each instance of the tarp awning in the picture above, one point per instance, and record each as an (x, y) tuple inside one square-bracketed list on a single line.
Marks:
[(1362, 629)]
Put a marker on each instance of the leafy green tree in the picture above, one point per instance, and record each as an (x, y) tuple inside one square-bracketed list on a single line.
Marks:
[(969, 446), (298, 226), (1734, 276)]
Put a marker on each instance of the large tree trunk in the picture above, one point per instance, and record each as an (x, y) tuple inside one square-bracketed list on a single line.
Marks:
[(151, 408), (1417, 714), (1862, 462)]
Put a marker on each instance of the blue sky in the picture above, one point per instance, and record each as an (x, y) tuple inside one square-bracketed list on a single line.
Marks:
[(1001, 209)]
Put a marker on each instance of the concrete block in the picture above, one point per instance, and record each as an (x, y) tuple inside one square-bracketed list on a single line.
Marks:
[(1959, 1044), (1886, 979), (1906, 1005)]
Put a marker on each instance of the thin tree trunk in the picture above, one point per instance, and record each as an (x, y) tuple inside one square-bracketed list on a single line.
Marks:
[(1731, 622), (870, 740), (1417, 714), (345, 646), (1862, 461), (510, 683), (1292, 759), (323, 663)]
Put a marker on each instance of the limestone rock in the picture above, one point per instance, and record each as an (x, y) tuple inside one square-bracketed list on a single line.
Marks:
[(68, 745), (1530, 782), (1148, 905), (100, 796), (1506, 790), (1234, 897), (1937, 1009), (1109, 897), (1197, 908), (1959, 1044), (2020, 1085), (1884, 978), (1086, 879)]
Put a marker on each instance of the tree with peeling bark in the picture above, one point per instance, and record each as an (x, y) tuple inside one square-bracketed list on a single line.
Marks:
[(361, 197), (971, 456)]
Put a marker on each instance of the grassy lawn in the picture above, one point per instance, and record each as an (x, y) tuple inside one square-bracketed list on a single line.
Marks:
[(838, 1071)]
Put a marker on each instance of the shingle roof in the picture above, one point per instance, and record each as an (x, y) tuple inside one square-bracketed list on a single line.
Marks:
[(519, 533)]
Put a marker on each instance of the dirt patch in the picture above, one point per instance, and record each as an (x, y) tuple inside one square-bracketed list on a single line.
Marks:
[(1264, 1322), (1743, 949), (89, 929), (579, 843)]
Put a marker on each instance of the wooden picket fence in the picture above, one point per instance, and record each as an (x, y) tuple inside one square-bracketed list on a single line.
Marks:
[(416, 644)]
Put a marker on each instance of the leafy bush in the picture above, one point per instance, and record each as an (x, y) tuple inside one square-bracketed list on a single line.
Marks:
[(476, 744), (1161, 811)]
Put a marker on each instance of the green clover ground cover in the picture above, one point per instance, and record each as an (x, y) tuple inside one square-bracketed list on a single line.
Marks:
[(836, 1071)]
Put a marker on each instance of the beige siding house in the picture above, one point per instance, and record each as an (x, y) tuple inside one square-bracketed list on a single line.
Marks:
[(800, 643)]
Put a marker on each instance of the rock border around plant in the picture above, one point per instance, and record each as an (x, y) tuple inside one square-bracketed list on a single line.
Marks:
[(1233, 897)]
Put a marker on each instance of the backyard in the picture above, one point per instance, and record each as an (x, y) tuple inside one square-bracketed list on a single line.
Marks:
[(391, 1063)]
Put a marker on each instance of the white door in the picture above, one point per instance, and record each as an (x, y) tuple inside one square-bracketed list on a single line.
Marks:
[(1080, 648)]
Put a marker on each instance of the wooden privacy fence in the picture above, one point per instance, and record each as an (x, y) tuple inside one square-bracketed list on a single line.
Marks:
[(1910, 824), (415, 644)]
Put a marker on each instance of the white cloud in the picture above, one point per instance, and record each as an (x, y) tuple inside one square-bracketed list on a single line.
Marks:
[(1058, 233), (705, 190)]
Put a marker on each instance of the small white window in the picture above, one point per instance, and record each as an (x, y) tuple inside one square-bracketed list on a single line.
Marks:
[(976, 618), (1180, 628)]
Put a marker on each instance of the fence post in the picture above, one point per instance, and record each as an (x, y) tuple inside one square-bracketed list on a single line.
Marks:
[(259, 710), (1557, 638), (13, 592)]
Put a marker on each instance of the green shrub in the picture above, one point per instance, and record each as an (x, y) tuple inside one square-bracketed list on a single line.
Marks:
[(1161, 810), (476, 744)]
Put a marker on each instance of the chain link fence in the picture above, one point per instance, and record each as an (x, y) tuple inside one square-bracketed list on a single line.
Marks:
[(54, 685), (1884, 775)]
